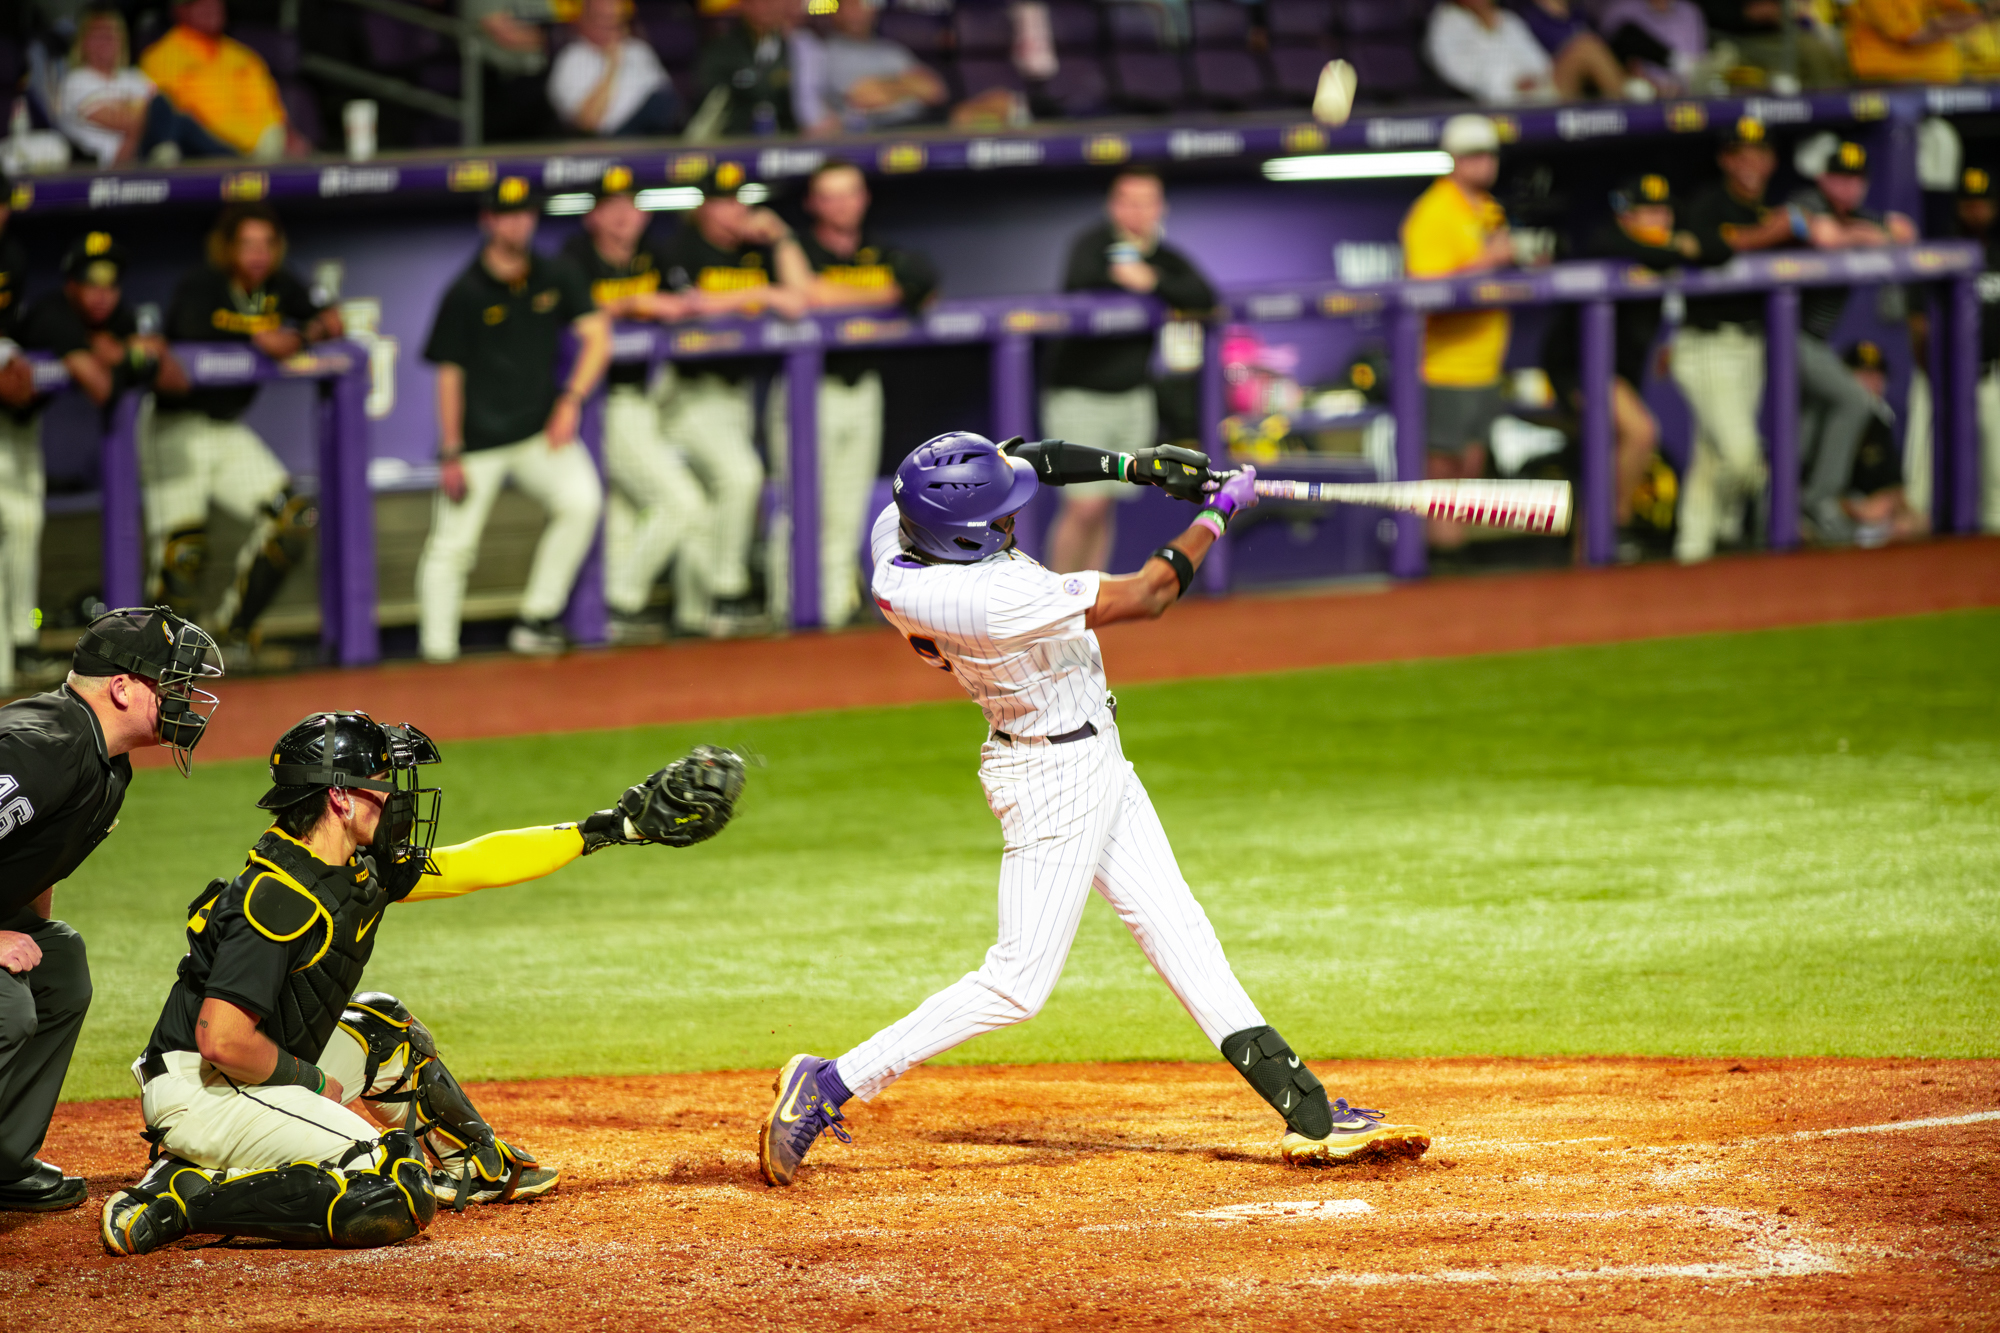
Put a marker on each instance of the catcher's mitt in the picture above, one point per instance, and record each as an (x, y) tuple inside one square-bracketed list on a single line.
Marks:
[(688, 801)]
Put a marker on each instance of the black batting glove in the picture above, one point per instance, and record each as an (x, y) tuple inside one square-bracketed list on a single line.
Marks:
[(1181, 473)]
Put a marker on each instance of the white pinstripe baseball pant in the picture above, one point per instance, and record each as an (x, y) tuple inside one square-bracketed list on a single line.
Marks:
[(1076, 817)]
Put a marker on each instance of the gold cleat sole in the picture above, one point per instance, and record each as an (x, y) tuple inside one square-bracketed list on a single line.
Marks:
[(1383, 1143)]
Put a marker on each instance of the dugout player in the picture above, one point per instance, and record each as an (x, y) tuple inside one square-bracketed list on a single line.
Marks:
[(197, 449), (20, 449), (853, 269), (728, 259), (1719, 352), (1021, 640), (496, 342), (258, 1074), (656, 510), (63, 775), (1100, 390)]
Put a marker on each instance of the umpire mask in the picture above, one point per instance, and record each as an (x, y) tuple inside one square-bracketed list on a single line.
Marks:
[(154, 643)]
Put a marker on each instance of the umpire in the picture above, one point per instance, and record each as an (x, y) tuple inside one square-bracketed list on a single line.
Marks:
[(63, 775)]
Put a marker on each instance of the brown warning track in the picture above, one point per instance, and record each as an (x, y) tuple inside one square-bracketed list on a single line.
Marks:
[(498, 696), (1602, 1193)]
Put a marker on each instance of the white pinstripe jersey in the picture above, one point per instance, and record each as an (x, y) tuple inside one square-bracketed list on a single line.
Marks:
[(1010, 629)]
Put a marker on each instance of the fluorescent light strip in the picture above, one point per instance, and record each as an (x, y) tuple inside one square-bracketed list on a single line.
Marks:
[(672, 199), (1357, 166), (567, 205), (753, 193)]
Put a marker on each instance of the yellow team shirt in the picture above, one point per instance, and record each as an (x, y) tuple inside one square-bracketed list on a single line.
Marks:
[(1444, 231), (1877, 31), (218, 81)]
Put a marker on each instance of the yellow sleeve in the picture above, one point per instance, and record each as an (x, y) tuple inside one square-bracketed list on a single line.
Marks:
[(498, 859), (262, 87), (162, 64), (1898, 20)]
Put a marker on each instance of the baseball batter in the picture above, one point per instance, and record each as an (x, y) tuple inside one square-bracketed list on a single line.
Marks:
[(1020, 639)]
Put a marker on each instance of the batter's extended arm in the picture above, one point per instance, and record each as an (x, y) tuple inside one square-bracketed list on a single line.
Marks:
[(1167, 573)]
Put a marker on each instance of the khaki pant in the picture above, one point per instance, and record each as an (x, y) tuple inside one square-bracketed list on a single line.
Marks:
[(22, 488), (850, 458), (712, 423), (1121, 422), (656, 511), (186, 462), (1721, 373), (220, 1125), (1917, 448), (564, 481)]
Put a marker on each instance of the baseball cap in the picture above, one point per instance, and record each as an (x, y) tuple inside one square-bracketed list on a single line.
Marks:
[(1975, 183), (1847, 159), (95, 260), (139, 640), (1469, 133), (723, 180), (1865, 355), (616, 180), (510, 194), (1746, 132), (1649, 188)]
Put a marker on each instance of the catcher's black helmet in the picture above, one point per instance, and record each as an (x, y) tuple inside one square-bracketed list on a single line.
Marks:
[(353, 750)]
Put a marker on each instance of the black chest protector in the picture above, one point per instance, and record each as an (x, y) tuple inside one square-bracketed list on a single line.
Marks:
[(325, 915)]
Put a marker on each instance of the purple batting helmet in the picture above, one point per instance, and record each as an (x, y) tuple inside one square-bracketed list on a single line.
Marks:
[(950, 490)]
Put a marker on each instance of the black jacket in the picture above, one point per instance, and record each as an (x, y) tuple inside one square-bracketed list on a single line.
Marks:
[(1117, 365), (59, 793), (1637, 322), (758, 75)]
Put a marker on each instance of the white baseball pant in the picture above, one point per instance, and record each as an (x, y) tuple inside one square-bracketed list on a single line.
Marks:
[(850, 458), (655, 509), (188, 460), (712, 423), (1917, 445), (1075, 817), (1721, 373), (563, 481), (220, 1126), (22, 489)]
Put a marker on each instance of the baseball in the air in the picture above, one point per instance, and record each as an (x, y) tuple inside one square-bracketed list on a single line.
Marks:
[(1334, 99)]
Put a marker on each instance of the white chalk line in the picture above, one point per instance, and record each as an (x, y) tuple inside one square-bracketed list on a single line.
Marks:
[(1887, 1127), (1284, 1208), (1935, 1122)]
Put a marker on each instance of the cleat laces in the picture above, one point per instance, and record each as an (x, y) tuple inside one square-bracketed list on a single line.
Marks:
[(1342, 1111)]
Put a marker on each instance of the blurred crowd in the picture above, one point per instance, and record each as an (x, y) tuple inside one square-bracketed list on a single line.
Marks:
[(113, 81)]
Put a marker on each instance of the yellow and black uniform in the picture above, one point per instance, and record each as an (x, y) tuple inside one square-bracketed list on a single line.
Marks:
[(208, 306), (608, 282), (1714, 215), (52, 324), (692, 264), (875, 266), (1444, 231), (507, 338)]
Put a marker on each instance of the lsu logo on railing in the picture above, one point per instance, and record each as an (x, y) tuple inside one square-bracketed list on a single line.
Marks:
[(1503, 293), (1351, 303), (686, 168), (1106, 150), (871, 330), (1035, 321), (1687, 118), (1791, 270), (1304, 138), (1868, 106), (1932, 260), (693, 342), (474, 173), (1506, 127), (245, 187), (900, 158)]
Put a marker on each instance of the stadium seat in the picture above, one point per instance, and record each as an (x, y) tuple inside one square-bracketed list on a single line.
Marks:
[(984, 74), (1295, 72), (1301, 42), (1137, 27), (1292, 21), (1224, 73), (1078, 89), (671, 30), (393, 45), (1383, 37), (983, 32), (925, 34), (1074, 27)]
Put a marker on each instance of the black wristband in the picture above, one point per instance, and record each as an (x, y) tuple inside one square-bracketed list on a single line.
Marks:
[(292, 1071), (1178, 561)]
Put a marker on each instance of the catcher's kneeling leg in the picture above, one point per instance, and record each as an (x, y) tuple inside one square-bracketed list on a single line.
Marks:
[(405, 1079), (304, 1204)]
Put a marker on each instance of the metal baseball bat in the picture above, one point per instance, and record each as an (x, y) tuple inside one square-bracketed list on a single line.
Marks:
[(1518, 506)]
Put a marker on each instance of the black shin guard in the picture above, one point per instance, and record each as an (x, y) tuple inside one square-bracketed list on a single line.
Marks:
[(181, 563), (311, 1205), (292, 518), (1280, 1078)]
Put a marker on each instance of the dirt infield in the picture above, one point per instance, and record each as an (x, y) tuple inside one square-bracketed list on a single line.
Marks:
[(500, 696), (1608, 1193)]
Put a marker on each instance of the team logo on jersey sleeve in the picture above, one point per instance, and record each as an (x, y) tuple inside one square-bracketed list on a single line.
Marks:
[(1074, 587)]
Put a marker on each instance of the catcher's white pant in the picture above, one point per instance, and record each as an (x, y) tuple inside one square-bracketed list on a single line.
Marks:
[(563, 481), (219, 1125), (712, 422), (22, 487), (1075, 817), (187, 461), (1721, 373), (1917, 448), (655, 510), (850, 458)]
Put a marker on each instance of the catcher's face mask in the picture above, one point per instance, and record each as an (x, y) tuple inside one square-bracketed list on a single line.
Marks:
[(172, 653)]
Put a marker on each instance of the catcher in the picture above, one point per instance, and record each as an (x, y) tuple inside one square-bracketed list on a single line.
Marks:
[(269, 1083)]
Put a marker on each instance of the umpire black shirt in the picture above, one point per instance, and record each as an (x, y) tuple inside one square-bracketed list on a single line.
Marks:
[(507, 338), (1713, 215), (639, 276), (692, 264), (875, 266), (209, 307), (1117, 365), (59, 793)]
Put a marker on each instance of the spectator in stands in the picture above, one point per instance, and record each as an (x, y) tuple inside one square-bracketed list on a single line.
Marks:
[(113, 112), (1873, 494), (745, 74), (608, 81), (657, 513), (1488, 53), (496, 342), (727, 259), (854, 80), (1578, 56), (1457, 228), (1756, 29), (1832, 401), (1910, 41), (853, 269), (1718, 356), (1664, 42), (87, 325), (514, 97), (1100, 391), (1639, 231), (197, 449), (221, 83)]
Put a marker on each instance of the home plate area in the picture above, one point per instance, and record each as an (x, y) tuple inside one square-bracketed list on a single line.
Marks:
[(1746, 1194)]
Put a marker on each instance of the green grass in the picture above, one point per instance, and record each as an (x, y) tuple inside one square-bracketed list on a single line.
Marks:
[(1759, 844)]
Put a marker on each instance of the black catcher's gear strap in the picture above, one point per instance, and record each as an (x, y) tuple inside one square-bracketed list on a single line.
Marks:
[(688, 801), (292, 1071), (1280, 1078), (1178, 560)]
